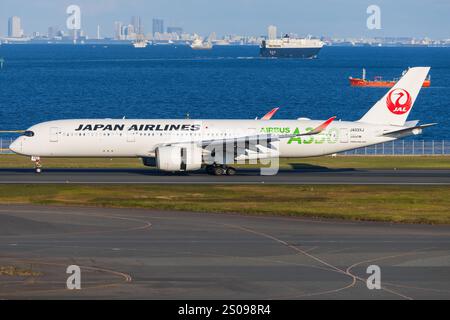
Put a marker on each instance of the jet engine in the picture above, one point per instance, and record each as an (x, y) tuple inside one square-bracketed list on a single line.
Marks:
[(179, 158)]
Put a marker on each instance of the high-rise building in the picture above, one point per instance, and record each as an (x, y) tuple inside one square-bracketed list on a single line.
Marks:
[(272, 32), (177, 30), (125, 32), (118, 30), (131, 32), (158, 26), (14, 27), (137, 24)]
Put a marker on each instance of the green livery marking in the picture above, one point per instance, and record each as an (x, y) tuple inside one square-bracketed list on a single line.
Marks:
[(331, 136)]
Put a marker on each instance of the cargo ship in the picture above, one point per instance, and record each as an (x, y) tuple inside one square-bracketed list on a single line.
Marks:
[(287, 47), (379, 82)]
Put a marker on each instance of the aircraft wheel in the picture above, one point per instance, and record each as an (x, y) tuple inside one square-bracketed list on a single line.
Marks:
[(218, 171), (231, 171)]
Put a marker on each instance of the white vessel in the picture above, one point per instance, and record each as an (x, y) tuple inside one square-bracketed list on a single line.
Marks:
[(140, 44), (287, 47), (198, 44)]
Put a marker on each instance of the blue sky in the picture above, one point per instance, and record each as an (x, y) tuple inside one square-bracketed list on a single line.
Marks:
[(417, 18)]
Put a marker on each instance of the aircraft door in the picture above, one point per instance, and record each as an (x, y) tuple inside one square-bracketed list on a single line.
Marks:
[(343, 135), (54, 134)]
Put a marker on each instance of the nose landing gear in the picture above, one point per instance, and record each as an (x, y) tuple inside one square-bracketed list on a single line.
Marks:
[(220, 170), (37, 164)]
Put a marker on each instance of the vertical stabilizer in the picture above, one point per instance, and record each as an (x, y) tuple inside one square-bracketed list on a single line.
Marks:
[(395, 106)]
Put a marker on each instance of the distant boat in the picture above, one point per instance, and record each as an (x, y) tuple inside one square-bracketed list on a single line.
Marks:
[(198, 44), (379, 82), (140, 44), (2, 61)]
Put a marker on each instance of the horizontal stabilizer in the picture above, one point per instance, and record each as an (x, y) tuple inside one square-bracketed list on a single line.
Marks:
[(411, 123), (412, 130)]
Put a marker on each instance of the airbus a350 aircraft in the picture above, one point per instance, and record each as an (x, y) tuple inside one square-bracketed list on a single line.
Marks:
[(184, 145)]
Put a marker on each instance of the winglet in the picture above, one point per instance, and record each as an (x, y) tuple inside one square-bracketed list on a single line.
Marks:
[(270, 114), (320, 128)]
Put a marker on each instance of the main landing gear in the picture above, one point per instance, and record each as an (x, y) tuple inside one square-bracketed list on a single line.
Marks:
[(220, 170), (37, 164)]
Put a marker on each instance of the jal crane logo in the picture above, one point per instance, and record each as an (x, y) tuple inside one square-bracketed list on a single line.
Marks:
[(399, 101)]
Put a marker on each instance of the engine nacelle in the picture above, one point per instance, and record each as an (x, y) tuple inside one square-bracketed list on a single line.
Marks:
[(149, 161), (179, 158)]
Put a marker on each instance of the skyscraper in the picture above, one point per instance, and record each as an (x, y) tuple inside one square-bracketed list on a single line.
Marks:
[(137, 24), (272, 32), (14, 27), (158, 26), (118, 30)]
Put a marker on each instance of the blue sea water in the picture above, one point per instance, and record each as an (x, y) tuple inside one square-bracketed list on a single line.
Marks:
[(46, 82)]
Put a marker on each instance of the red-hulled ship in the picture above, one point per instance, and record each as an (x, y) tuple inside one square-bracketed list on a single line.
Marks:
[(379, 82)]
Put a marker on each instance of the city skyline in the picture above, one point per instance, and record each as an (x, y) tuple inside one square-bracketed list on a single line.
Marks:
[(134, 32), (249, 17)]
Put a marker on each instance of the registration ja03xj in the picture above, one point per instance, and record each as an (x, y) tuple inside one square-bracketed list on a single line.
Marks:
[(225, 310)]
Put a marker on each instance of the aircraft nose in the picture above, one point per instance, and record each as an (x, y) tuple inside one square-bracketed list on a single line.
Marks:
[(16, 146)]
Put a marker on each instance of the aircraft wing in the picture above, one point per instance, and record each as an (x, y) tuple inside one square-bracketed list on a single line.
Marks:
[(266, 137), (256, 146), (254, 140)]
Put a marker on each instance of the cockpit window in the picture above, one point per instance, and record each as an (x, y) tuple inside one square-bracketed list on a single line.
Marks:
[(28, 133)]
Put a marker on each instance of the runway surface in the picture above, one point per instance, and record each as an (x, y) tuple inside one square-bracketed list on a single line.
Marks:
[(298, 176), (133, 253)]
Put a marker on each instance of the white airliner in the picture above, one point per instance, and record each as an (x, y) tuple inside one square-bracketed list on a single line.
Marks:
[(185, 145)]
